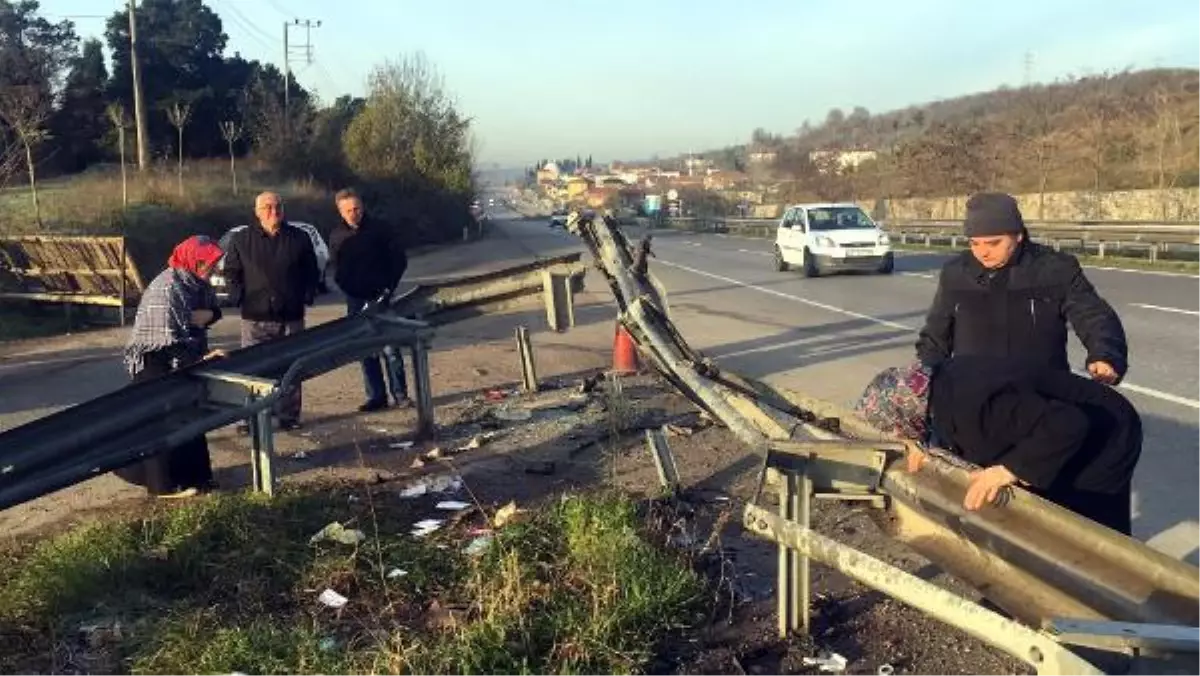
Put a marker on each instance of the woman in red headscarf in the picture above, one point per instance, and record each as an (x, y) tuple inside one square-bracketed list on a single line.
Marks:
[(170, 332)]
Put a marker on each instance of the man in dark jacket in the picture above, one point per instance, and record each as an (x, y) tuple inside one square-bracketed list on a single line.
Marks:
[(1073, 441), (271, 271), (370, 259), (1010, 297)]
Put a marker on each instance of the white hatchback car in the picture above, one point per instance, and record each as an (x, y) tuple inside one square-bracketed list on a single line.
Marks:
[(319, 248), (831, 237)]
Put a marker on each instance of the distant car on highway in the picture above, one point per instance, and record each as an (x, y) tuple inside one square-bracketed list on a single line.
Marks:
[(558, 219), (831, 237), (319, 248)]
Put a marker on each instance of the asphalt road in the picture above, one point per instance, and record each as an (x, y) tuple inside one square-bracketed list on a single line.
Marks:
[(828, 336)]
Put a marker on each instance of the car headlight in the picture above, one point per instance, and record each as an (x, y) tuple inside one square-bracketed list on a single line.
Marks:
[(884, 240), (822, 240)]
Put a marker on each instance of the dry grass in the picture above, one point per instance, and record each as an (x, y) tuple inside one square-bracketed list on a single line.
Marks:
[(158, 216)]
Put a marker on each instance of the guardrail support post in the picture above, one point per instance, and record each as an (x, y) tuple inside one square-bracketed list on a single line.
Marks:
[(424, 396), (795, 503), (262, 451), (1154, 253), (529, 379), (558, 293), (1100, 249), (664, 460)]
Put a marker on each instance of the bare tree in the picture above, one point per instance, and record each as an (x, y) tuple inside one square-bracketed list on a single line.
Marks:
[(231, 131), (120, 121), (179, 113), (1035, 138), (1167, 147), (25, 109)]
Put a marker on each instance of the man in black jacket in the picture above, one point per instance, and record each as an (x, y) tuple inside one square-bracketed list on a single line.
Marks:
[(370, 259), (271, 271), (1071, 440), (1010, 297)]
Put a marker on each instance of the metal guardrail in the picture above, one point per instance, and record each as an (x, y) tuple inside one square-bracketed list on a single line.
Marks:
[(1151, 241), (143, 419), (1072, 582)]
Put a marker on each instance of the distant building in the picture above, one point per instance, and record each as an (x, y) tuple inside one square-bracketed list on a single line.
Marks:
[(841, 160)]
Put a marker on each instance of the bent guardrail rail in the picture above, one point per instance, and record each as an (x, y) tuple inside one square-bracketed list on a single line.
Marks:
[(1049, 567), (145, 418)]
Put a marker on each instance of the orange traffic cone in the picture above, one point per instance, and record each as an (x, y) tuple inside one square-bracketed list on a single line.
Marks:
[(625, 357)]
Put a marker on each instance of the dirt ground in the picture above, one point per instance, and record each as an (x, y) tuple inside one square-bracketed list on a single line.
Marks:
[(530, 448)]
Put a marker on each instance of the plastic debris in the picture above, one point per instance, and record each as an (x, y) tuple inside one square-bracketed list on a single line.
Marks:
[(300, 455), (332, 599), (445, 484), (396, 573), (453, 505), (828, 662), (402, 444), (512, 414), (425, 527), (338, 533), (885, 670), (415, 490), (505, 514)]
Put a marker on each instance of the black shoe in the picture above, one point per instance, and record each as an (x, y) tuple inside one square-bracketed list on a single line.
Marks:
[(288, 425), (375, 405)]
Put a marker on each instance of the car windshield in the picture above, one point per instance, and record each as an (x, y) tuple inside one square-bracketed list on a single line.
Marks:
[(838, 218)]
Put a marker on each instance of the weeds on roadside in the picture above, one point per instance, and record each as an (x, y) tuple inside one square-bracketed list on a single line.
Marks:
[(230, 583)]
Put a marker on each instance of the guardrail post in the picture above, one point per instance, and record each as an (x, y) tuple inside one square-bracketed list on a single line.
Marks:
[(1100, 250), (424, 398), (795, 502), (928, 240), (954, 241), (1154, 253), (262, 451), (558, 293), (529, 379)]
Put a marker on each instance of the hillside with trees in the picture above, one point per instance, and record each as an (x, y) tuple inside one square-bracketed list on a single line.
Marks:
[(1099, 133), (62, 112)]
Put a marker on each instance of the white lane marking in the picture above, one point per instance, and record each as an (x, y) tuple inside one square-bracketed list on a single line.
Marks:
[(922, 275), (1161, 273), (1177, 541), (1161, 308), (796, 299), (1147, 391)]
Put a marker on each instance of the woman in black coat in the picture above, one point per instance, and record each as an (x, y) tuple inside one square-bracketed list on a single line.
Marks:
[(1069, 439)]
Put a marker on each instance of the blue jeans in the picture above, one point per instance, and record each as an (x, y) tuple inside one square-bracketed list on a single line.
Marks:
[(373, 371)]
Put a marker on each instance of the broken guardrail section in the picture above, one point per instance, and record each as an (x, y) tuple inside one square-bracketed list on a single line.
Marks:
[(1068, 580), (143, 419)]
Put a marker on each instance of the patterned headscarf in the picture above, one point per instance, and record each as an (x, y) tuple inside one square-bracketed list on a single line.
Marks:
[(897, 401)]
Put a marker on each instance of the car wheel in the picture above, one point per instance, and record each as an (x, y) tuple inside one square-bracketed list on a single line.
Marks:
[(810, 265), (780, 264), (888, 265)]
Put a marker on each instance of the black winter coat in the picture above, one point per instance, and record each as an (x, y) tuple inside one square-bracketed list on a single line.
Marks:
[(1021, 311), (369, 259), (272, 278), (1073, 440)]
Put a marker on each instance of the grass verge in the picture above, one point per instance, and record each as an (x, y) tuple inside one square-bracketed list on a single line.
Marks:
[(230, 583)]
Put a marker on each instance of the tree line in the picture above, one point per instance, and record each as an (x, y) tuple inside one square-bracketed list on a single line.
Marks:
[(62, 111), (1112, 131)]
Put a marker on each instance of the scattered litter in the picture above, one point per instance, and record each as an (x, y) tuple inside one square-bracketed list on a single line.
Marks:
[(379, 430), (886, 670), (479, 545), (396, 573), (425, 527), (678, 430), (352, 498), (415, 491), (479, 372), (495, 395), (338, 533), (300, 455), (505, 514), (417, 463), (512, 414), (402, 444), (326, 644), (434, 453), (831, 662), (720, 498), (332, 599), (445, 484), (452, 505)]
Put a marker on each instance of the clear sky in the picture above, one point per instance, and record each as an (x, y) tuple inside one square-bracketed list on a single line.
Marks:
[(630, 79)]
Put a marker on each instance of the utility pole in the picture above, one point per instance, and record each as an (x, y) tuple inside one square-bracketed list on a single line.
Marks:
[(139, 101), (288, 57)]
